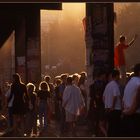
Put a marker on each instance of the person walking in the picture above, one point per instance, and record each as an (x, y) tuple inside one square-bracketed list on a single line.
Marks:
[(131, 105), (31, 115), (19, 92), (113, 105), (43, 95), (72, 102)]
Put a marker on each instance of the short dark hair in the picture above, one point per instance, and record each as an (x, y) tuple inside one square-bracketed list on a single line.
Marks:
[(17, 78), (115, 73), (63, 76), (137, 69), (69, 80), (122, 38), (47, 78)]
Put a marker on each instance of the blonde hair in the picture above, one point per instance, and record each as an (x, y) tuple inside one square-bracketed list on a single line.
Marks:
[(29, 85), (44, 86)]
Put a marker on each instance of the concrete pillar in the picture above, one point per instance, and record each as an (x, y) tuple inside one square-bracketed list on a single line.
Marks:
[(27, 46), (33, 46), (20, 47), (99, 37)]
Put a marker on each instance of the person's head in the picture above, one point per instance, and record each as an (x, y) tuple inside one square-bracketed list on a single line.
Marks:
[(115, 74), (122, 39), (16, 78), (83, 74), (69, 80), (31, 87), (58, 82), (44, 86), (75, 78), (137, 69), (81, 80), (64, 78), (47, 78)]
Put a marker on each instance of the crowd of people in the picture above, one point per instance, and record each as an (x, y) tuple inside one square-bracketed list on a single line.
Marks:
[(114, 106), (113, 110), (31, 108)]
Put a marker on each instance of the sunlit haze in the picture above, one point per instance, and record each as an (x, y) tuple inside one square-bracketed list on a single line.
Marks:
[(63, 38)]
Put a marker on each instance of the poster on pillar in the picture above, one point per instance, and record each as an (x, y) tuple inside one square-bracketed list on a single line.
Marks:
[(33, 60), (102, 32)]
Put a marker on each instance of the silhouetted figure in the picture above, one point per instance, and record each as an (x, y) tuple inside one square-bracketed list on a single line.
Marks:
[(19, 91), (51, 99), (96, 109), (62, 110), (43, 95), (57, 100), (31, 115)]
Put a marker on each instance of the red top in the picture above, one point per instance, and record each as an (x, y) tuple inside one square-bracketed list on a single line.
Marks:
[(119, 59)]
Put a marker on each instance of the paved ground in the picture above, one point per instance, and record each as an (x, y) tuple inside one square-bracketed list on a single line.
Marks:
[(54, 131)]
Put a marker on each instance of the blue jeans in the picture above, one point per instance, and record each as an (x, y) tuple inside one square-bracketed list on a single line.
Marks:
[(43, 114)]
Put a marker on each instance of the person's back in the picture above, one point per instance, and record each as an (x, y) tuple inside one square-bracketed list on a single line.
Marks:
[(131, 105), (20, 103), (18, 90), (72, 103), (20, 99), (130, 91), (111, 90), (74, 98)]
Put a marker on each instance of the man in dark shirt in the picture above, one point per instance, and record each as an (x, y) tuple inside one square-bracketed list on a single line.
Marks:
[(96, 104)]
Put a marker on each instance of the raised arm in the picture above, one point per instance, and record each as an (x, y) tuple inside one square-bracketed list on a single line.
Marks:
[(133, 40)]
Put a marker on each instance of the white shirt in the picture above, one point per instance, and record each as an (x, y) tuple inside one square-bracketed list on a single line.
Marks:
[(130, 92), (111, 90), (73, 99), (7, 95)]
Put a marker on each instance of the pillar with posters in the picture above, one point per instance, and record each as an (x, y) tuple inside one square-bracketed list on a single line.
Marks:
[(99, 37), (33, 45), (20, 47), (27, 46)]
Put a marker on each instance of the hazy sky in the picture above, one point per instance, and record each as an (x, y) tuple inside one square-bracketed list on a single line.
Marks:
[(65, 33)]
